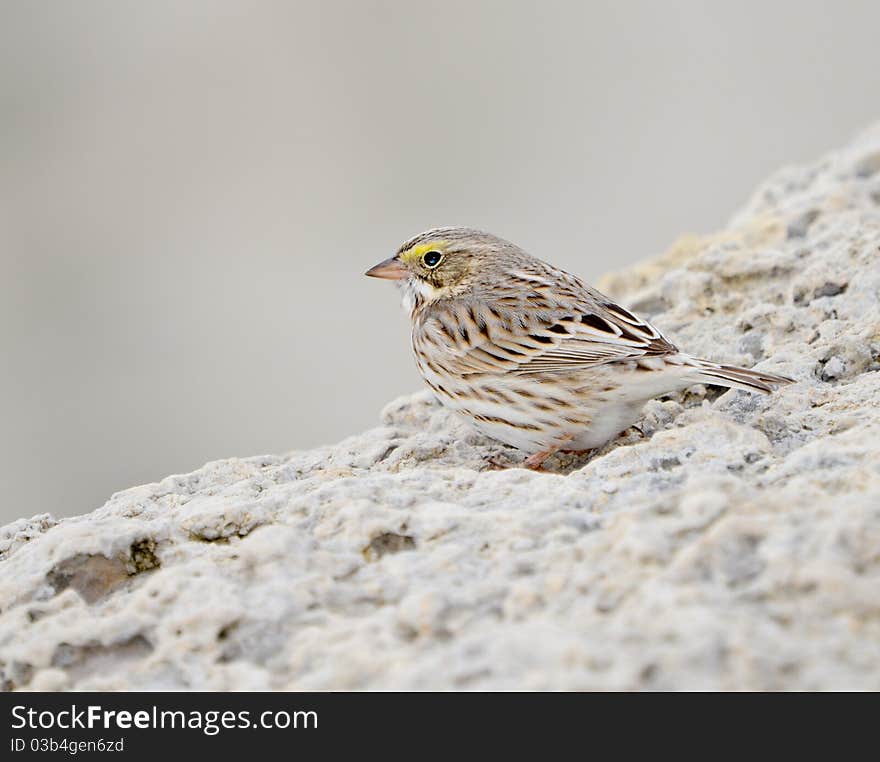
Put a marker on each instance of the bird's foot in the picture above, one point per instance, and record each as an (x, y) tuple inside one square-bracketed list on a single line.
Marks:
[(535, 462)]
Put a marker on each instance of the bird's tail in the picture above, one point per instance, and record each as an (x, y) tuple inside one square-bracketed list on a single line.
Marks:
[(736, 378)]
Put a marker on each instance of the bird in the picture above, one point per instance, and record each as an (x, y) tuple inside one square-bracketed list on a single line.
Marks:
[(531, 355)]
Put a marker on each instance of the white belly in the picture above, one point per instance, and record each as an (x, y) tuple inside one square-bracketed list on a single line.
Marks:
[(532, 416)]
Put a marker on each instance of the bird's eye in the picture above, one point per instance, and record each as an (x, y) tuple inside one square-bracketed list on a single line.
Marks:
[(432, 259)]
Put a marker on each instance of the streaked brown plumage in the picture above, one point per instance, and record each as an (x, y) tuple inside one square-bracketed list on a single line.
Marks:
[(530, 354)]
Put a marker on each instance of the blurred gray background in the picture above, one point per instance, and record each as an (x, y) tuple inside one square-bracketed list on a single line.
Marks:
[(191, 191)]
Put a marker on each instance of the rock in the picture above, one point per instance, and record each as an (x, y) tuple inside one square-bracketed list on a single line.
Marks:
[(732, 543)]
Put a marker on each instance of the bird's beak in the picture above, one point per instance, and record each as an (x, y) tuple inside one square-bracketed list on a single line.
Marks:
[(390, 269)]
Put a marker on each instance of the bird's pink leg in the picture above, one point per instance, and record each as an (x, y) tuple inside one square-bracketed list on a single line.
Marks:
[(536, 461)]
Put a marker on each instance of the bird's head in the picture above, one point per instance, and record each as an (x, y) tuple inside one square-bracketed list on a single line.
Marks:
[(443, 263)]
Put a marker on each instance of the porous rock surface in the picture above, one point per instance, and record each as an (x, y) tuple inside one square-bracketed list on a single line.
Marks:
[(733, 544)]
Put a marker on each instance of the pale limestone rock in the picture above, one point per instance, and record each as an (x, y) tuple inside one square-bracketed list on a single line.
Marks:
[(733, 544)]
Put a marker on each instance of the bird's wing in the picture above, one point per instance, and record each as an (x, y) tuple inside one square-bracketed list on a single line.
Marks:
[(571, 337), (602, 333)]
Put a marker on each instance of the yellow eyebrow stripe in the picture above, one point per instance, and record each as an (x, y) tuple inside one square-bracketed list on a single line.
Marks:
[(416, 252)]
